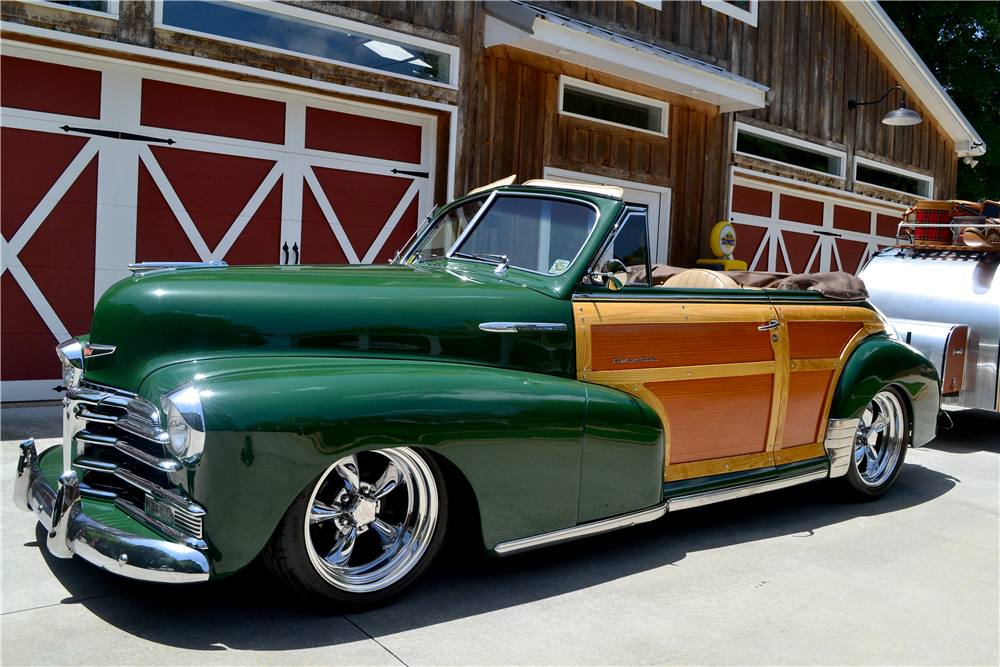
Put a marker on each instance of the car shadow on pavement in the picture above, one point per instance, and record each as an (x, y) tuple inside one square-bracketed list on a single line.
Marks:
[(967, 432), (253, 611)]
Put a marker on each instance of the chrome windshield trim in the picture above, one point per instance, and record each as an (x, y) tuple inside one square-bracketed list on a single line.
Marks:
[(472, 223), (422, 234), (519, 327), (535, 195)]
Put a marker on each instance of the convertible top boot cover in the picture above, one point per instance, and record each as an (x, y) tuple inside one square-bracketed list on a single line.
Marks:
[(838, 285)]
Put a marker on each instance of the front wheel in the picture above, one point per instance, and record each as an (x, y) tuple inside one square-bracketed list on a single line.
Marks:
[(364, 530), (879, 446)]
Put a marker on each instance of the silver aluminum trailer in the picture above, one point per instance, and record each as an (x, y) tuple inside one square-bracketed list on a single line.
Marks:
[(945, 303)]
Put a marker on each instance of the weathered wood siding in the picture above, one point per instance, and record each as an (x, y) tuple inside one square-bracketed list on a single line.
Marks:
[(518, 130), (816, 60)]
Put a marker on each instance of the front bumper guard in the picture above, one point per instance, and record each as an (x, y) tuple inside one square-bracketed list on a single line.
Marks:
[(73, 532)]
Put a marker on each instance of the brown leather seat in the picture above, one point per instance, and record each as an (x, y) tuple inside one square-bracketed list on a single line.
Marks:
[(701, 279)]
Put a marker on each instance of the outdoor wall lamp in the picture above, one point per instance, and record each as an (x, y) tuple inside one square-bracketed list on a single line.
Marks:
[(900, 116)]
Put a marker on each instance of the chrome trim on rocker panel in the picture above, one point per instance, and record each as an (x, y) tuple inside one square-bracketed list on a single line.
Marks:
[(839, 444), (709, 497), (577, 532), (653, 513)]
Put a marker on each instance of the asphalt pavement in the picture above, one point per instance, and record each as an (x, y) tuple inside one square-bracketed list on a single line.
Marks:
[(791, 577)]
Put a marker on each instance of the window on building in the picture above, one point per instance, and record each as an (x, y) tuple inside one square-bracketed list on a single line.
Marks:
[(303, 32), (775, 147), (743, 10), (892, 178), (614, 107), (99, 6)]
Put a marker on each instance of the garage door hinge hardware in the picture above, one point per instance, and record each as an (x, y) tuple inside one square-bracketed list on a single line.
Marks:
[(816, 231), (418, 174), (118, 135)]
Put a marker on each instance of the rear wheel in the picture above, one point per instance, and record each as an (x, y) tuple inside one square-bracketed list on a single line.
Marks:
[(879, 446), (364, 530)]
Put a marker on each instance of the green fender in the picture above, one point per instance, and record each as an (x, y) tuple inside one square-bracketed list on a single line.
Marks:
[(274, 424), (879, 361)]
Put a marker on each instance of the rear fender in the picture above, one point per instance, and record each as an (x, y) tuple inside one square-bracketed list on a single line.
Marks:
[(878, 362), (275, 424)]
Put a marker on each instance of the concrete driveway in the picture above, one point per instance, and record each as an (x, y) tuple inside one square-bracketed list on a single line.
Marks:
[(791, 577)]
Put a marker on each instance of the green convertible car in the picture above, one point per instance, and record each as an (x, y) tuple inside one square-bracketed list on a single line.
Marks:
[(520, 346)]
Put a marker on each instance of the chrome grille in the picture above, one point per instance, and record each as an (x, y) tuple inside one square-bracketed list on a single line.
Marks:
[(114, 438)]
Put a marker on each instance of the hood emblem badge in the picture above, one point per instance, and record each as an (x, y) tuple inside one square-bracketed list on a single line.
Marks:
[(91, 350)]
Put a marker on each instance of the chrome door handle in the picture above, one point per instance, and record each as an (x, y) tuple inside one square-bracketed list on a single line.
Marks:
[(773, 324)]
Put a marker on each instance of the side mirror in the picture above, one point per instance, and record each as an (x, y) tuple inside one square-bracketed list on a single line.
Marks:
[(615, 273)]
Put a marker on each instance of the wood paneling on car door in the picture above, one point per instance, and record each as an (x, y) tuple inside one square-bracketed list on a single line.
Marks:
[(715, 379)]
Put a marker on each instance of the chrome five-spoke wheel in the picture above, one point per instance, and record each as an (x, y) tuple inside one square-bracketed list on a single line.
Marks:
[(879, 445), (366, 528)]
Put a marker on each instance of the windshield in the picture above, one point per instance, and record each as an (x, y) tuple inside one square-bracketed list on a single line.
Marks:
[(447, 228), (534, 233)]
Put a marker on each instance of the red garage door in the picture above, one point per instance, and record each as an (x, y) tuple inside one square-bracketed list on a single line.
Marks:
[(785, 229), (105, 164)]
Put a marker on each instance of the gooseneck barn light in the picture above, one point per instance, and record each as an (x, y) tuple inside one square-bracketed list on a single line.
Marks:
[(900, 116)]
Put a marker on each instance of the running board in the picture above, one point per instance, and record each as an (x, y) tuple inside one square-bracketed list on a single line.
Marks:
[(651, 514)]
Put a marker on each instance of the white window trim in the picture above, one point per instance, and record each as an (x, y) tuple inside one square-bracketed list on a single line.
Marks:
[(881, 166), (790, 141), (613, 93), (112, 8), (334, 22), (652, 4), (748, 17)]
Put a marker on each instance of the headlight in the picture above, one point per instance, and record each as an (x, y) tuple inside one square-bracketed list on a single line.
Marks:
[(71, 356), (185, 422)]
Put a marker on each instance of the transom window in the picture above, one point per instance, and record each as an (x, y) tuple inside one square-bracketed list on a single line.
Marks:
[(88, 6), (743, 10), (892, 178), (755, 142), (303, 32), (612, 107)]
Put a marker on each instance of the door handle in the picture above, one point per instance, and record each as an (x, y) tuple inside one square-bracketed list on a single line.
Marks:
[(285, 248), (295, 249), (773, 324)]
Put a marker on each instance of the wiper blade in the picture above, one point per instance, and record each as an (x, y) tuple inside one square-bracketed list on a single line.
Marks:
[(487, 256)]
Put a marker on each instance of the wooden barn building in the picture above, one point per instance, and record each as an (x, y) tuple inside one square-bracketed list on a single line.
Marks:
[(323, 132)]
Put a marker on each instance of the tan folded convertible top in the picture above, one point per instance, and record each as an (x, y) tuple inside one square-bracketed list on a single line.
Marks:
[(838, 285)]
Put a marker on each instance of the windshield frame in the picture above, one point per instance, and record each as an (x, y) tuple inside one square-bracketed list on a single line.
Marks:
[(408, 256), (488, 204)]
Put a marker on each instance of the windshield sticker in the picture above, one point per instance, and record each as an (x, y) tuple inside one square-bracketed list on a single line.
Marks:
[(559, 266)]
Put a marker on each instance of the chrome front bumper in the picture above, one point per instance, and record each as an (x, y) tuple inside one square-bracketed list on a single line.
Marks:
[(73, 532)]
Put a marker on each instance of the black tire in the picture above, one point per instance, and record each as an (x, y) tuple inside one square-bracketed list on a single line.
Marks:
[(879, 447), (352, 508)]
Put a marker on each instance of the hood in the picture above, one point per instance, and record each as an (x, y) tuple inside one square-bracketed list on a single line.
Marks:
[(430, 311)]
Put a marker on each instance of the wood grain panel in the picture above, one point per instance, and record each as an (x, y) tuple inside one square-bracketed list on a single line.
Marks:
[(953, 378), (806, 399), (679, 471), (716, 418), (685, 344), (813, 450), (819, 340)]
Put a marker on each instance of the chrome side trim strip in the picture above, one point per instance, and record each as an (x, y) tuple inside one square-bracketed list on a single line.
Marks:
[(577, 532), (519, 327), (145, 267), (709, 497), (839, 444)]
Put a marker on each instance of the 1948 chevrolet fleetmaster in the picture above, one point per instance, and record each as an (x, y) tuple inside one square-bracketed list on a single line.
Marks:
[(520, 345)]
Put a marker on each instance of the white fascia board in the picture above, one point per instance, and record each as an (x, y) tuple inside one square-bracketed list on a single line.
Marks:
[(627, 62), (886, 36)]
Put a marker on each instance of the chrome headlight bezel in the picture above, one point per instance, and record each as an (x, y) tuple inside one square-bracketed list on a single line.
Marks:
[(184, 423), (71, 357)]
